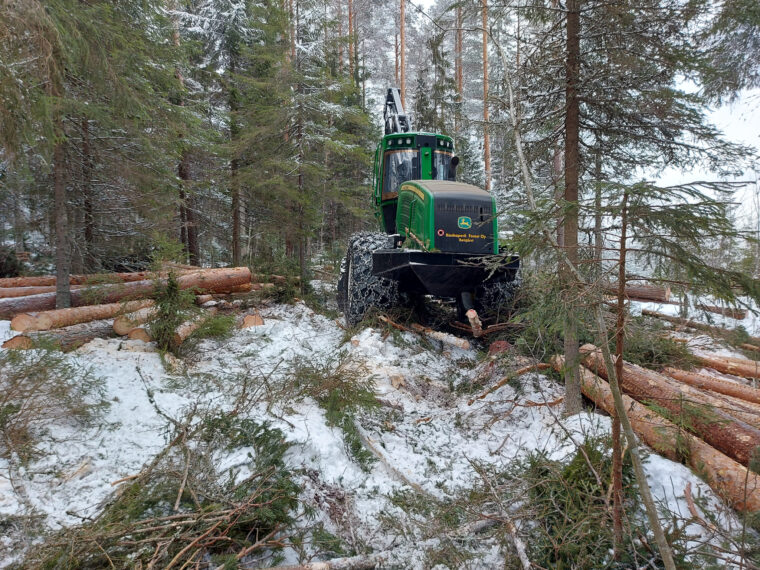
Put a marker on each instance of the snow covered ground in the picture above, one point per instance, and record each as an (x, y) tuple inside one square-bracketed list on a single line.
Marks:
[(427, 436)]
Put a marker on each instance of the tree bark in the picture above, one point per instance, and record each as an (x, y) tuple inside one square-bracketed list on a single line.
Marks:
[(210, 280), (733, 437), (724, 475), (45, 320)]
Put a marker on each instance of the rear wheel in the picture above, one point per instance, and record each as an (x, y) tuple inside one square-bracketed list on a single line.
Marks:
[(359, 290)]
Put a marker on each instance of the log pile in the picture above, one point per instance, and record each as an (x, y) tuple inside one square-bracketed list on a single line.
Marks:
[(725, 476), (122, 300), (704, 417)]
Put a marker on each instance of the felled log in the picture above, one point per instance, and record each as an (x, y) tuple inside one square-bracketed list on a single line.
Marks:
[(125, 323), (718, 331), (88, 279), (67, 338), (738, 409), (720, 385), (750, 347), (46, 320), (642, 292), (734, 313), (140, 333), (10, 292), (190, 326), (725, 476), (735, 366), (206, 280), (733, 437), (252, 320)]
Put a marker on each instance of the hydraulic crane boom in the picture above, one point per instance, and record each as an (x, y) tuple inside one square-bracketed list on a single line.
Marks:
[(396, 120)]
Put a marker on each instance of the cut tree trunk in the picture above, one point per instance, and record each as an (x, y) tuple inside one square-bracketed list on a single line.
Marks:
[(719, 331), (46, 320), (66, 339), (738, 314), (190, 326), (743, 368), (731, 436), (11, 292), (720, 385), (206, 280), (643, 292), (725, 476), (86, 279), (123, 324), (140, 333)]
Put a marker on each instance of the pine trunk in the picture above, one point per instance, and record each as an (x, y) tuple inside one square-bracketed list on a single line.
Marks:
[(46, 320), (402, 33), (65, 339), (486, 139), (570, 220)]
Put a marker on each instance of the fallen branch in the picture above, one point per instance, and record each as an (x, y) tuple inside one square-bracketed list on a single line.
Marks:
[(446, 338), (510, 377)]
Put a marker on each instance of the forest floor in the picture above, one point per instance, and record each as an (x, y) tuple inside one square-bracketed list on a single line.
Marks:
[(404, 475)]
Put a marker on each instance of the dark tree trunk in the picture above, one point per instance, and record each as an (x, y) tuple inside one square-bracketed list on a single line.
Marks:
[(62, 259), (89, 215), (617, 446), (573, 399), (234, 165)]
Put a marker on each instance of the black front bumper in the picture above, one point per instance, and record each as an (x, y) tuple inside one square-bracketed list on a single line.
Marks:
[(441, 274)]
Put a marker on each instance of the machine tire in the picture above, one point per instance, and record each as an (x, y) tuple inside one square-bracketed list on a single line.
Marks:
[(359, 290), (494, 298)]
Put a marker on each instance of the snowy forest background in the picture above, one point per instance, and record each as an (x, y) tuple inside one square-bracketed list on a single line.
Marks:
[(245, 130)]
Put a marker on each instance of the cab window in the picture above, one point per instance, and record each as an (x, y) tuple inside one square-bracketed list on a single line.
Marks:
[(442, 166), (400, 166)]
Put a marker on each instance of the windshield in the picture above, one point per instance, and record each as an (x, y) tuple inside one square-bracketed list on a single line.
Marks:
[(442, 166), (400, 166)]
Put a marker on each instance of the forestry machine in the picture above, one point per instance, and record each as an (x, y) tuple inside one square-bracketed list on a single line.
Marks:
[(438, 235)]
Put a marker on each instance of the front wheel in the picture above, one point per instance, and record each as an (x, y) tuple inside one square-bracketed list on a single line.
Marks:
[(359, 290)]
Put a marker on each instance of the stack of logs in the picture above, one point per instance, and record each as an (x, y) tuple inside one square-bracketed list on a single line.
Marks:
[(710, 422), (124, 297)]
